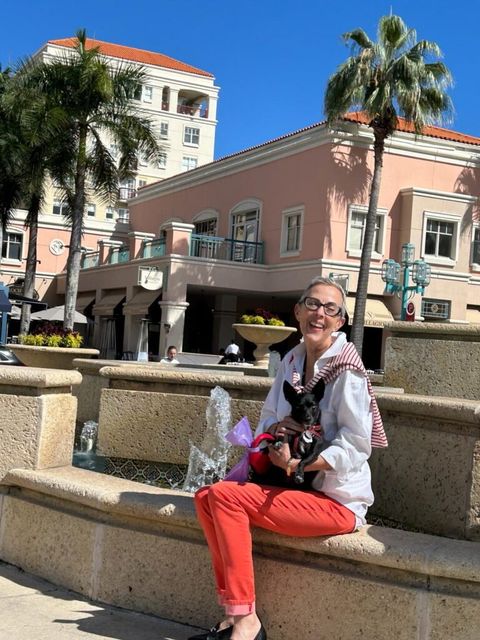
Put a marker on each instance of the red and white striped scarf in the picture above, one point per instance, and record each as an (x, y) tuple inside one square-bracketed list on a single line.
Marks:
[(347, 360)]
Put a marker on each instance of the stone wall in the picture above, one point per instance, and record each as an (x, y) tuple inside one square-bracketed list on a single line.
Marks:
[(141, 548), (37, 417), (433, 359)]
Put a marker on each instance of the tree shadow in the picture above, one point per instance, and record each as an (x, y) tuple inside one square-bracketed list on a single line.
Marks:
[(350, 183), (106, 621), (468, 183)]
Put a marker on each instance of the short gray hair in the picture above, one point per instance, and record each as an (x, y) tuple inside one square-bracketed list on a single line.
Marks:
[(329, 283)]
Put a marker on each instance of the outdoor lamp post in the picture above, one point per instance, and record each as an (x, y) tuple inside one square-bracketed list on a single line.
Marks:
[(419, 271)]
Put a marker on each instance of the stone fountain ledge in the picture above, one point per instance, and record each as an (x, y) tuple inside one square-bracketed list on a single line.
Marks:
[(118, 500)]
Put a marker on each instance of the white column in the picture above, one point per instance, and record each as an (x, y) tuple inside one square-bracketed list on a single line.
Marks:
[(172, 325)]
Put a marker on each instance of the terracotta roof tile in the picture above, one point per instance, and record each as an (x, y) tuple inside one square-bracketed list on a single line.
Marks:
[(430, 130), (137, 55)]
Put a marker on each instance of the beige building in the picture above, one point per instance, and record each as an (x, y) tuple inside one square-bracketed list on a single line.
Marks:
[(181, 100)]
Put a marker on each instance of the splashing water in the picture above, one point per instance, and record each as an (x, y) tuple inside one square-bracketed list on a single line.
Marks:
[(88, 436), (208, 462)]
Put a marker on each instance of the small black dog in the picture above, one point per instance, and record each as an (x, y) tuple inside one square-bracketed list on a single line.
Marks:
[(305, 447)]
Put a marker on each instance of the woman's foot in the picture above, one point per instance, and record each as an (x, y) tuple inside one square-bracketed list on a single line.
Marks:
[(248, 627), (220, 631)]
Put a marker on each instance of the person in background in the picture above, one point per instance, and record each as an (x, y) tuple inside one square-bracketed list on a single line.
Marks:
[(232, 352), (171, 356), (340, 492)]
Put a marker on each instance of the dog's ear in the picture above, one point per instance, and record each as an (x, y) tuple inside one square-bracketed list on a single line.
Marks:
[(318, 390), (289, 392)]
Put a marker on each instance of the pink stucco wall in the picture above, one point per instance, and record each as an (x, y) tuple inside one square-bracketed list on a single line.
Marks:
[(325, 180)]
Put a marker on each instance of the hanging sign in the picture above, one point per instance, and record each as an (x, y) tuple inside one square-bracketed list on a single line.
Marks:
[(150, 278)]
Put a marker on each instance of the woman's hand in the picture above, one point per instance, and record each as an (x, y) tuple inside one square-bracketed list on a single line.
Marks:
[(287, 426), (279, 456)]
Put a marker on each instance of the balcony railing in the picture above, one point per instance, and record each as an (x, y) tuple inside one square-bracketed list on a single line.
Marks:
[(154, 248), (126, 192), (90, 260), (198, 110), (226, 249), (119, 254)]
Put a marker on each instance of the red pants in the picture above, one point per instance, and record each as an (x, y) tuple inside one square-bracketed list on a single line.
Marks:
[(227, 510)]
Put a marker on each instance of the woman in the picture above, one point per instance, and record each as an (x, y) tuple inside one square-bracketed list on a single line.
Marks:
[(341, 491)]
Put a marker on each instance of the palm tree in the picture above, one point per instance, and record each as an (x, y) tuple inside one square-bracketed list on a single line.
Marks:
[(35, 125), (10, 163), (93, 102), (395, 76)]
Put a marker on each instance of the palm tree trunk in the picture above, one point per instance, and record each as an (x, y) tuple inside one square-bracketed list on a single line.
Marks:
[(363, 275), (75, 251), (31, 266)]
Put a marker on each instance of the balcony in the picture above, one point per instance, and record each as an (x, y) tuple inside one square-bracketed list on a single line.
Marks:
[(154, 248), (226, 249), (198, 110), (90, 260), (119, 254), (124, 193)]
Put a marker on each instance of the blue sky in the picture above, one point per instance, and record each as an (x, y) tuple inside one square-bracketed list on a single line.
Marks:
[(271, 58)]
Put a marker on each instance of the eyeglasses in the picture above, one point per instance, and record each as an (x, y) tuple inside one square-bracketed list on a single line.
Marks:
[(330, 308)]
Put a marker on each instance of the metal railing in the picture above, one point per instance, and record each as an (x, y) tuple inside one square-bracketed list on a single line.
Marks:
[(226, 249), (126, 192), (119, 254), (154, 248), (90, 260), (199, 110)]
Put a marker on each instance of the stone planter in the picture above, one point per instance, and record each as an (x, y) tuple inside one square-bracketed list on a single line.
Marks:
[(50, 357), (263, 336)]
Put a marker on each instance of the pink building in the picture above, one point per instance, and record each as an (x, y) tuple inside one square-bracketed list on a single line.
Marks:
[(253, 228)]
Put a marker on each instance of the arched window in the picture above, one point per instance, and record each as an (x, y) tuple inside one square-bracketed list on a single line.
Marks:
[(245, 230)]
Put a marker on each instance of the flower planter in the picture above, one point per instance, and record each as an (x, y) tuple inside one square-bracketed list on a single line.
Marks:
[(50, 357), (263, 336)]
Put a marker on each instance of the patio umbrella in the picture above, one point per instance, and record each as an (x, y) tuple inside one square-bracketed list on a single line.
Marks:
[(57, 314)]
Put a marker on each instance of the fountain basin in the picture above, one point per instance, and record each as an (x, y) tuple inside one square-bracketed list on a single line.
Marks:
[(263, 336)]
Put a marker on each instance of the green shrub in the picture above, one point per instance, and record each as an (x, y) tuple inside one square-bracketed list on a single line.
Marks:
[(51, 335), (261, 316)]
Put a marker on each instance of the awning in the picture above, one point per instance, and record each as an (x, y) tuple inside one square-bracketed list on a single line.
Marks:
[(140, 302), (83, 300), (376, 314), (473, 316), (107, 304), (17, 299)]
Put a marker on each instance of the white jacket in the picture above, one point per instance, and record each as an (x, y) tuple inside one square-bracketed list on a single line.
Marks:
[(347, 428)]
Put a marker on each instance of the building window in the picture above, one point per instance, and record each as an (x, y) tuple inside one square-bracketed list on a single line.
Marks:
[(188, 162), (109, 213), (439, 238), (292, 223), (142, 160), (147, 93), (12, 246), (123, 214), (162, 160), (141, 183), (163, 130), (191, 136), (356, 231), (206, 227), (476, 245), (60, 208), (435, 309), (91, 210), (127, 189)]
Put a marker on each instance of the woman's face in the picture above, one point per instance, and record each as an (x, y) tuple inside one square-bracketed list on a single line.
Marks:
[(316, 326)]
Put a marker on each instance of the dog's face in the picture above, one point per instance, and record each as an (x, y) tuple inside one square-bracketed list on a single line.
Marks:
[(304, 405)]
